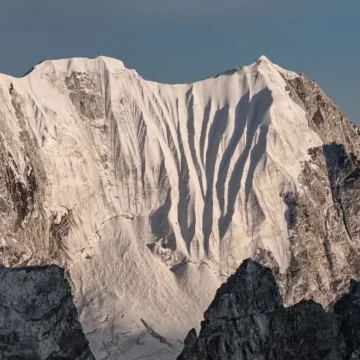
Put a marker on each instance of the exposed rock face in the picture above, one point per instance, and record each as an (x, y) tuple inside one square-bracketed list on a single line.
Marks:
[(38, 319), (348, 311), (322, 214), (323, 115), (247, 321), (323, 224)]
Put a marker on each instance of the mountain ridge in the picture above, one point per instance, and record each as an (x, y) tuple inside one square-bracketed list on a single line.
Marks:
[(121, 64)]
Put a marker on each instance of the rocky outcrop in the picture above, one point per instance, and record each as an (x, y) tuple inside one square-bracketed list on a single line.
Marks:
[(323, 226), (322, 212), (323, 115), (38, 319), (247, 321)]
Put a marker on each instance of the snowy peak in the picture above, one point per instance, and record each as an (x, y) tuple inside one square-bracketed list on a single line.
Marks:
[(76, 64), (263, 58), (95, 64)]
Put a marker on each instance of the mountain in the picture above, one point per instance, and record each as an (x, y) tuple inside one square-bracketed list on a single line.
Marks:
[(247, 321), (38, 319), (151, 195)]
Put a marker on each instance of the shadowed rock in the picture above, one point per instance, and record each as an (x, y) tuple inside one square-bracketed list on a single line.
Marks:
[(38, 319), (247, 321)]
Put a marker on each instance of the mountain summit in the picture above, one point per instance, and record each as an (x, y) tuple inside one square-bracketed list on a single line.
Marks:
[(151, 195)]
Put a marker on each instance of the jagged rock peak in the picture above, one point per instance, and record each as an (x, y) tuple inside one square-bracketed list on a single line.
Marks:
[(251, 290), (38, 319), (271, 331)]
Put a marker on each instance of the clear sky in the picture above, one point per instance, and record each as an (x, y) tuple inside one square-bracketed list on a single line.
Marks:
[(186, 40)]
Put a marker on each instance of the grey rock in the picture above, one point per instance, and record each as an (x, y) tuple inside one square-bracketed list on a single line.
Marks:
[(323, 115), (323, 224), (38, 319), (348, 310), (86, 94), (247, 321), (25, 227), (322, 214)]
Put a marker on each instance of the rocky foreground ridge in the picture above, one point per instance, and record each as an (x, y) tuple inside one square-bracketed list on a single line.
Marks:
[(247, 321), (38, 319)]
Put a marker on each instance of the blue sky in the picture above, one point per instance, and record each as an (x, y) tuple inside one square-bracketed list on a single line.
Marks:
[(186, 40)]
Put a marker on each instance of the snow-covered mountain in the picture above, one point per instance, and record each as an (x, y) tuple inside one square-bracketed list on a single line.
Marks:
[(151, 195)]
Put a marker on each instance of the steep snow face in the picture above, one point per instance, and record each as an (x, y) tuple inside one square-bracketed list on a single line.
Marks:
[(149, 194)]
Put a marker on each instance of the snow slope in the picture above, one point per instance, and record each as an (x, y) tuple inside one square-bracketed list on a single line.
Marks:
[(150, 194)]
